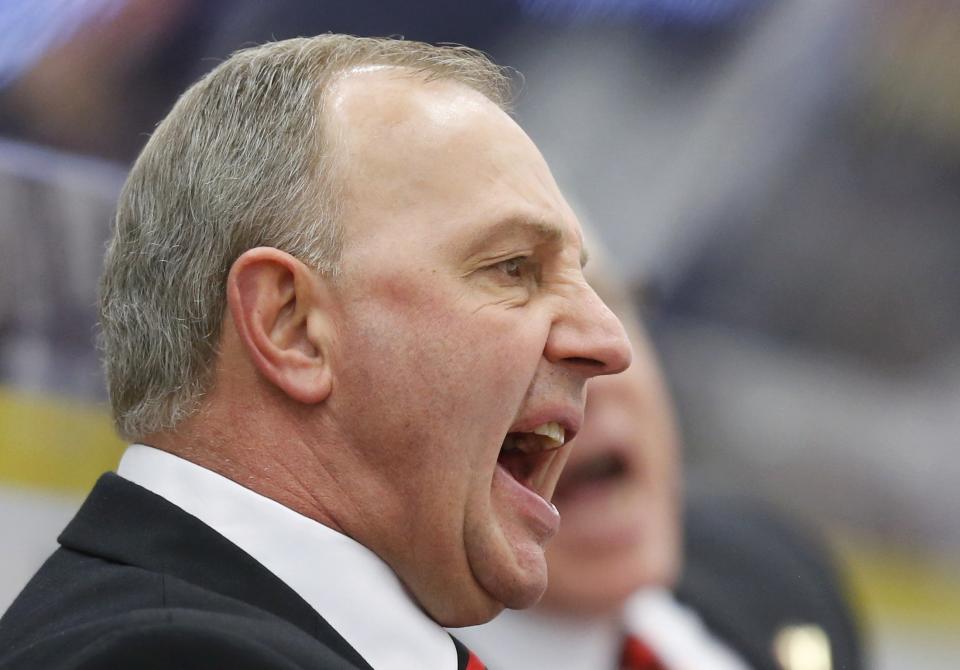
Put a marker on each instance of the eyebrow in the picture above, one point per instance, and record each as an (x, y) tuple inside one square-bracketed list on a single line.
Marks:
[(543, 230)]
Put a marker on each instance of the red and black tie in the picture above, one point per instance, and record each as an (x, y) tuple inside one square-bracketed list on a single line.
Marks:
[(473, 663), (636, 655), (466, 659)]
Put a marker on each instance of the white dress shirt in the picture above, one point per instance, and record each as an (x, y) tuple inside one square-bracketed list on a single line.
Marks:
[(346, 583), (536, 640)]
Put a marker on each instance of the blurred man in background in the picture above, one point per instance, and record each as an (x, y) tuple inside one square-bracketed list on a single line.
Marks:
[(746, 591), (346, 326)]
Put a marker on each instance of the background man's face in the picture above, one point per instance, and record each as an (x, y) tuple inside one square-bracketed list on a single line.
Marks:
[(619, 494), (463, 316)]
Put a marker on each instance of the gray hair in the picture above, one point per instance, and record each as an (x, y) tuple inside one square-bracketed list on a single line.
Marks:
[(241, 161)]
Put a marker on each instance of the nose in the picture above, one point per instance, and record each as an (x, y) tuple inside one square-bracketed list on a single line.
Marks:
[(588, 336)]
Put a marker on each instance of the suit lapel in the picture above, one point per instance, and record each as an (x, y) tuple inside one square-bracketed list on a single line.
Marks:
[(125, 523), (721, 613)]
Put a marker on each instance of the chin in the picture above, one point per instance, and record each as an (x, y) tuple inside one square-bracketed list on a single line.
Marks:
[(523, 598), (591, 588), (516, 589), (453, 616), (494, 586), (513, 577), (456, 601)]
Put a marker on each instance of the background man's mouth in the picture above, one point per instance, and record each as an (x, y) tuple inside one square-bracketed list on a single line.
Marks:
[(604, 469)]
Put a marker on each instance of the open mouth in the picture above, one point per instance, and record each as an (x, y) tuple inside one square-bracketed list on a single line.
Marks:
[(526, 456), (594, 473)]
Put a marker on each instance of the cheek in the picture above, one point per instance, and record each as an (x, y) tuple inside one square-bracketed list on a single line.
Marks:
[(434, 377)]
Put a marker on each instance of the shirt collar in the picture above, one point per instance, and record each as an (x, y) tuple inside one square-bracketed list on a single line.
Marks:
[(537, 639), (540, 639), (676, 633), (346, 583)]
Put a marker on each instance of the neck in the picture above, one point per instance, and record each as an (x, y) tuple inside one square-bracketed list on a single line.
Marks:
[(262, 453)]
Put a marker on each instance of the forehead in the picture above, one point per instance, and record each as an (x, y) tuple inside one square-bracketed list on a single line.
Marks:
[(380, 103), (439, 153)]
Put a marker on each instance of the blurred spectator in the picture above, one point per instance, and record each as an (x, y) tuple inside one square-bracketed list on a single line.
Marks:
[(96, 75), (53, 224), (754, 592)]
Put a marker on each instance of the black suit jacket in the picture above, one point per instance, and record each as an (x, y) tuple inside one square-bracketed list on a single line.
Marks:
[(139, 583), (751, 576)]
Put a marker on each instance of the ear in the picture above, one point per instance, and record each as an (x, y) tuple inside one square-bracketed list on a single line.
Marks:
[(280, 310)]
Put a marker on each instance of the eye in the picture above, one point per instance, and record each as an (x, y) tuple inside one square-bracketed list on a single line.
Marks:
[(513, 267)]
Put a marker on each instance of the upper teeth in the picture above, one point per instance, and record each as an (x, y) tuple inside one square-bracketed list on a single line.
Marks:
[(552, 430)]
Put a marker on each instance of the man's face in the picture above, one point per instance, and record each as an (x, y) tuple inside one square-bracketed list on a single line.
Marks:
[(619, 494), (464, 324)]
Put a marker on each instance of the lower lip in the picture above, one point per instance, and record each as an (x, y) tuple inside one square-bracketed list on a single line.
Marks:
[(544, 517)]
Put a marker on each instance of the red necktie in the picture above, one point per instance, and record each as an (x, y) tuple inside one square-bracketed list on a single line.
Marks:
[(637, 655), (473, 663)]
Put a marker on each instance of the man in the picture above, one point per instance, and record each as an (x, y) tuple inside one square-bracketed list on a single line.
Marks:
[(346, 326), (754, 592)]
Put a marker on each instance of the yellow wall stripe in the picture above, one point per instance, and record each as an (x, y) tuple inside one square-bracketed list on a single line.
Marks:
[(54, 443), (917, 590)]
